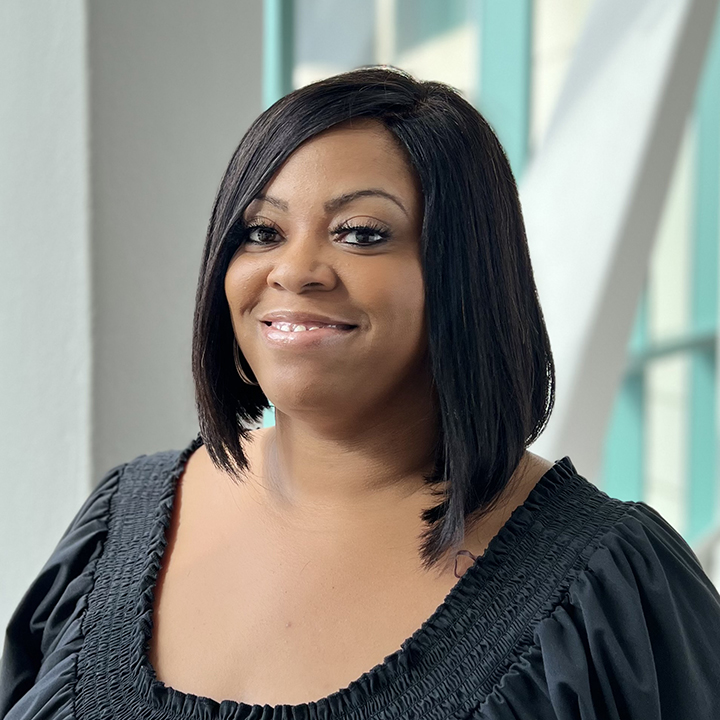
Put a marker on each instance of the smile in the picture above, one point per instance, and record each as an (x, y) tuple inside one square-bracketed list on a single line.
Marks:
[(304, 327), (305, 335)]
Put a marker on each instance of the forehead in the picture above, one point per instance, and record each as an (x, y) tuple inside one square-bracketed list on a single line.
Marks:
[(345, 158)]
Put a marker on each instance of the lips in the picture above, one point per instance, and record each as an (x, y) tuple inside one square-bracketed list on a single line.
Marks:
[(305, 318), (306, 325), (286, 336)]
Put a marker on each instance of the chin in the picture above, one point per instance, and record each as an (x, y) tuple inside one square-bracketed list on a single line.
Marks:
[(298, 398)]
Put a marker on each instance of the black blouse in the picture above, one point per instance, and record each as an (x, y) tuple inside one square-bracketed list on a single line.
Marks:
[(582, 607)]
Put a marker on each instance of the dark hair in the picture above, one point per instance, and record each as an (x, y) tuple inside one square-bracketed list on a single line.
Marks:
[(489, 350)]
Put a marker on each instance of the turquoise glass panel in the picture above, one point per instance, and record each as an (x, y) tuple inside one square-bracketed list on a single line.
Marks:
[(702, 517), (623, 455), (703, 470), (421, 20), (269, 416), (505, 74), (278, 49)]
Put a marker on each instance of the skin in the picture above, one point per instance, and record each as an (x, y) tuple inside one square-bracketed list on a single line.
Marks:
[(317, 549)]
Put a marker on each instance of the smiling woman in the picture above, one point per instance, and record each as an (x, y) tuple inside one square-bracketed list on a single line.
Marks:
[(335, 239), (338, 202), (390, 549)]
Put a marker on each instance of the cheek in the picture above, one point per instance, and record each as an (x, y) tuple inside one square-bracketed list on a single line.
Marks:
[(400, 305), (231, 281), (240, 280), (242, 285)]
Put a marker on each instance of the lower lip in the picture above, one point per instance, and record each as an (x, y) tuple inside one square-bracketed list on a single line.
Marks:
[(322, 337)]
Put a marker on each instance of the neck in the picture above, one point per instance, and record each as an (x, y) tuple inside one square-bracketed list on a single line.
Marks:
[(320, 468), (360, 496), (342, 482)]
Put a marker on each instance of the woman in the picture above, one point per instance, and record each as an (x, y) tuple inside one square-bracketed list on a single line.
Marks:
[(390, 548)]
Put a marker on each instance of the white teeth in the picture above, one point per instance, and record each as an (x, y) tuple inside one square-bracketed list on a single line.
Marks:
[(290, 327)]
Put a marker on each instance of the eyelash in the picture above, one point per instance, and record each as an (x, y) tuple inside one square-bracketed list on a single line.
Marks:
[(368, 228)]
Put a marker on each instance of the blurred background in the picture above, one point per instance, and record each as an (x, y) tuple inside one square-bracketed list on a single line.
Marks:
[(117, 120)]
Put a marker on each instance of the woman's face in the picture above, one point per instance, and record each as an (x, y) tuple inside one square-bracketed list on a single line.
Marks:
[(334, 238)]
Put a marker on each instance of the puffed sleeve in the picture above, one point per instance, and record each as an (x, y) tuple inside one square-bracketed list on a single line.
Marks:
[(639, 635), (44, 630)]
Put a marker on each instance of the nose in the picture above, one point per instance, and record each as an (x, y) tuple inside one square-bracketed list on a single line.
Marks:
[(301, 263)]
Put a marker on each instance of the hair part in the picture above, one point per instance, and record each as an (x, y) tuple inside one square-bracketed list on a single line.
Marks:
[(489, 350)]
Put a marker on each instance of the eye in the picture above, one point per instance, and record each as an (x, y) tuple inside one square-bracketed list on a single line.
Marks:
[(362, 233), (366, 235), (259, 234)]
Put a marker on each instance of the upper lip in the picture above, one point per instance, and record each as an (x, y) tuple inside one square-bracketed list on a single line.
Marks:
[(297, 317)]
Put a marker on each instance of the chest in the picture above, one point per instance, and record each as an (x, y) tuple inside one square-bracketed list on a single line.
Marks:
[(236, 617), (277, 639)]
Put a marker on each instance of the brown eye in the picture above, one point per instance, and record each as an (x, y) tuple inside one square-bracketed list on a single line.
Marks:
[(260, 234), (366, 235)]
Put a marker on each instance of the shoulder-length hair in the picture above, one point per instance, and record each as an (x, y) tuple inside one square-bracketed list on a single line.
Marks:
[(489, 350)]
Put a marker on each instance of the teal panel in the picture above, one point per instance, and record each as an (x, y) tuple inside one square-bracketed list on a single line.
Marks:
[(278, 63), (707, 189), (269, 416), (623, 457), (278, 49), (422, 20), (703, 471), (623, 466), (505, 74)]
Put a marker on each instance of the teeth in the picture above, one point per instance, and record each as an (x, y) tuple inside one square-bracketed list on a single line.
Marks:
[(290, 327)]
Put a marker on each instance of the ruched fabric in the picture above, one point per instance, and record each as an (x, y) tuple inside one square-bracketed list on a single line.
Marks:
[(44, 635), (582, 607)]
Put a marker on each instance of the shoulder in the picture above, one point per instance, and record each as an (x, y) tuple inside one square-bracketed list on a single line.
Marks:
[(626, 624), (45, 628), (642, 564), (611, 536), (138, 485), (638, 632), (645, 547), (160, 464), (631, 565)]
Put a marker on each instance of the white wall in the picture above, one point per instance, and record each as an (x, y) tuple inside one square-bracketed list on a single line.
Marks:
[(45, 347), (174, 85), (117, 120)]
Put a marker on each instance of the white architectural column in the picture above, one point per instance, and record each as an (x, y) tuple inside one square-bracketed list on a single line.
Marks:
[(593, 195), (45, 345), (117, 120), (174, 84)]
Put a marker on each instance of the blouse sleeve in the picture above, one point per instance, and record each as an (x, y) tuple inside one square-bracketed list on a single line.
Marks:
[(39, 635), (639, 635)]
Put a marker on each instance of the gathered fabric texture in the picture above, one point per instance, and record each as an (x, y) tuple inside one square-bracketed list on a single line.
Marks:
[(582, 607)]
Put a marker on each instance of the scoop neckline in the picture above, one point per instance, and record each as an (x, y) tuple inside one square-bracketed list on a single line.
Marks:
[(373, 683)]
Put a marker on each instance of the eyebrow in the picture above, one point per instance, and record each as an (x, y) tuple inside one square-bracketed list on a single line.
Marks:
[(337, 202)]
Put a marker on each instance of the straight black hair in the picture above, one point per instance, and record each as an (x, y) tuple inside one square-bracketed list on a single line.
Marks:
[(489, 350)]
